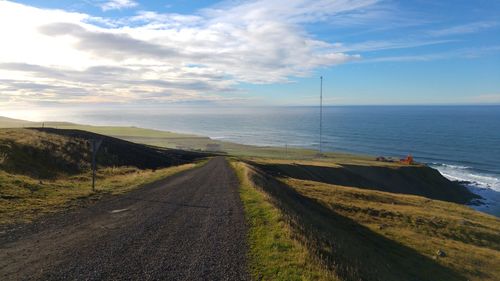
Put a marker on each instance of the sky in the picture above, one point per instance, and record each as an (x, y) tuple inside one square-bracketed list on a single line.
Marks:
[(102, 54)]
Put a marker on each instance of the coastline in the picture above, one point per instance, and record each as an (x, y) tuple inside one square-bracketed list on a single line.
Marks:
[(490, 202), (491, 198), (479, 184)]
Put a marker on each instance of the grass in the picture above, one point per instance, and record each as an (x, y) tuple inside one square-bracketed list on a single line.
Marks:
[(369, 174), (47, 171), (362, 234), (50, 152), (41, 155), (23, 198), (274, 253), (470, 239)]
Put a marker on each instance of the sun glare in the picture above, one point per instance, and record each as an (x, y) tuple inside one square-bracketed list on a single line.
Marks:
[(29, 115)]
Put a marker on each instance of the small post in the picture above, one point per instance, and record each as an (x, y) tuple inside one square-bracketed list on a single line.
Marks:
[(95, 147)]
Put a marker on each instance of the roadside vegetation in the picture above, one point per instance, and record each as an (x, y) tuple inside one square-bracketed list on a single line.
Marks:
[(44, 172), (274, 253), (23, 198), (364, 234)]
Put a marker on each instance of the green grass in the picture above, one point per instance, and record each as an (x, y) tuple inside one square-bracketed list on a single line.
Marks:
[(361, 234), (274, 254)]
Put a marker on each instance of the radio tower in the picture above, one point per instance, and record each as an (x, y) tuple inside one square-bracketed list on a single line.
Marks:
[(320, 115)]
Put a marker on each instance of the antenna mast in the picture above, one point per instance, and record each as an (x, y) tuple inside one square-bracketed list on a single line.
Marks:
[(320, 114)]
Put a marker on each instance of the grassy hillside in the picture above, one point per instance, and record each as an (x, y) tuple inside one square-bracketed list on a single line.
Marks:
[(48, 153), (14, 123), (391, 177), (45, 170), (364, 234), (41, 155)]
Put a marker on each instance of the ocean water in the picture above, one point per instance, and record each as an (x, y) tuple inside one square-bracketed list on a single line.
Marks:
[(462, 142)]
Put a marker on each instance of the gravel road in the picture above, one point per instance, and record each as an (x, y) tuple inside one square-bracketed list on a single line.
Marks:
[(190, 226)]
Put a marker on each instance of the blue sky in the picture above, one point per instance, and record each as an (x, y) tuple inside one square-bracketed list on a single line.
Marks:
[(61, 54)]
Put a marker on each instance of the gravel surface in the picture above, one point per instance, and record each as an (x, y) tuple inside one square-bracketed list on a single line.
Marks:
[(190, 226)]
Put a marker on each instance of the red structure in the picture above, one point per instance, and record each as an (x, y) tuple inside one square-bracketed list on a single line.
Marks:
[(408, 160)]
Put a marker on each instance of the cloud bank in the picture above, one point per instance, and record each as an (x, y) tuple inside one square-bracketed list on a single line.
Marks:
[(57, 56), (62, 56)]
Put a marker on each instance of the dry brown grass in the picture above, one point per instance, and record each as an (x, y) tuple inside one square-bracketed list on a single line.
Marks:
[(23, 198), (470, 239), (44, 172), (361, 234), (391, 177)]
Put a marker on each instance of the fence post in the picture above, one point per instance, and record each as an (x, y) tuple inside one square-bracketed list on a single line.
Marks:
[(95, 147)]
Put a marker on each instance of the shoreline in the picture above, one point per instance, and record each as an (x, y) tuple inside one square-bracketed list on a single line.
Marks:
[(489, 204)]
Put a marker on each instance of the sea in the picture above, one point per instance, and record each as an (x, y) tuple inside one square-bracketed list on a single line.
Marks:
[(462, 142)]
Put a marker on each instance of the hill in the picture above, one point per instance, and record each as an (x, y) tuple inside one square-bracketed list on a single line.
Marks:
[(6, 122), (343, 232), (405, 179), (49, 152), (44, 170)]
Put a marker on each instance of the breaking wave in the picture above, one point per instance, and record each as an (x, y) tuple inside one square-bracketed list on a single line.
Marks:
[(485, 185)]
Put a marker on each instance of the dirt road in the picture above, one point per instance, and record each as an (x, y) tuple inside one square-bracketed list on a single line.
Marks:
[(187, 227)]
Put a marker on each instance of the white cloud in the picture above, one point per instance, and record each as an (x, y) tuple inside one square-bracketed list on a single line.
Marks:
[(56, 56), (59, 56), (117, 5)]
